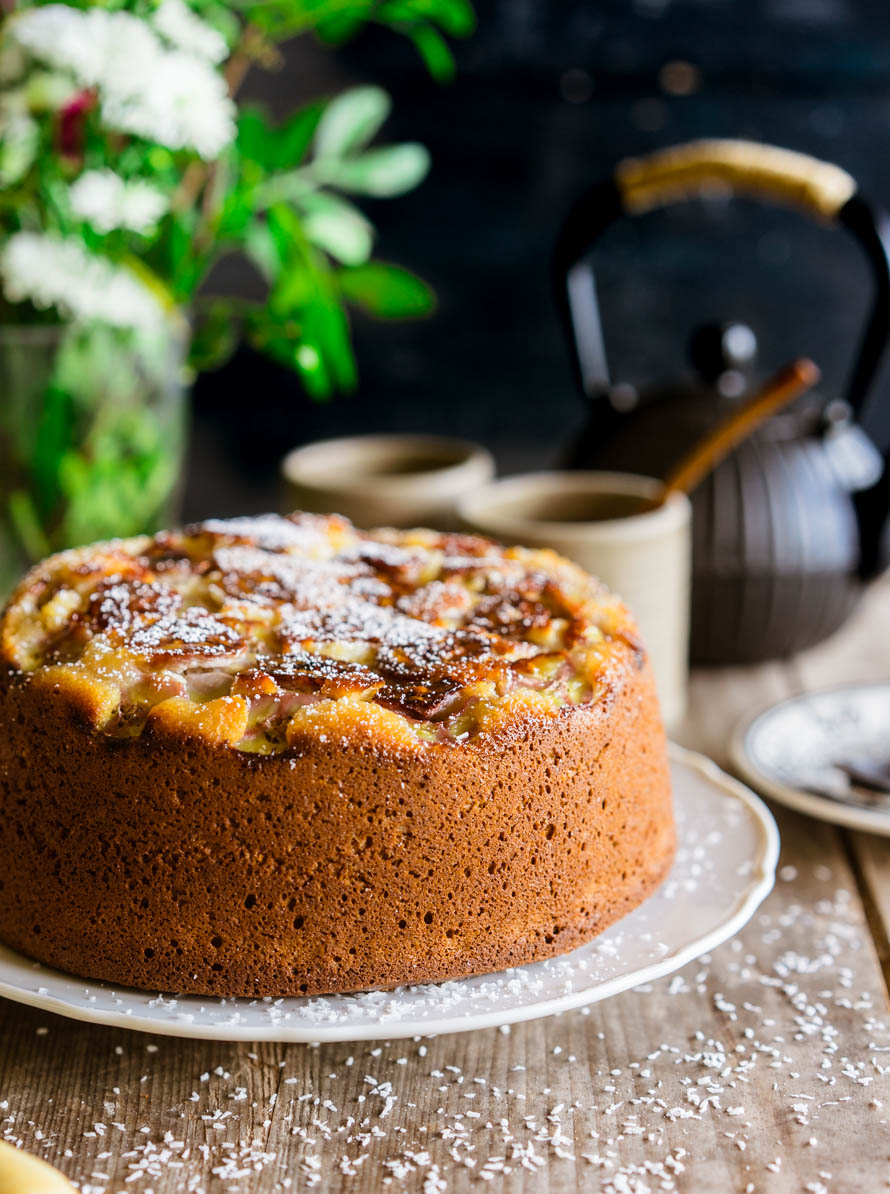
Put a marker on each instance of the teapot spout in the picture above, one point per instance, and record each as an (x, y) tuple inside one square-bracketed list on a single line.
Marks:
[(873, 512)]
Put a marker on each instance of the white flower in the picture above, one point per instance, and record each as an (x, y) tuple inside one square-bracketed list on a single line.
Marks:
[(52, 271), (176, 22), (183, 102), (103, 199), (168, 96), (65, 37)]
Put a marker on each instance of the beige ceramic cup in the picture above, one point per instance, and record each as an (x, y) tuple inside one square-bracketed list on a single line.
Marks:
[(607, 523), (386, 480)]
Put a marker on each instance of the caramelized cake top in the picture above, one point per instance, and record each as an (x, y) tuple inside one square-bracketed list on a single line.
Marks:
[(261, 632)]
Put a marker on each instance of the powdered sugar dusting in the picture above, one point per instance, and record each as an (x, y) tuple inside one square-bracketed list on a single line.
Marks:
[(722, 870), (782, 1087), (447, 625)]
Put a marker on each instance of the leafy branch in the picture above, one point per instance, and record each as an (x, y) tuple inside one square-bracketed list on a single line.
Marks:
[(282, 195)]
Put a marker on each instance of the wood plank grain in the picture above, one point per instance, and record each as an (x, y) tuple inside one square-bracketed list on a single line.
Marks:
[(720, 697), (700, 1082), (758, 1069), (871, 858), (861, 651)]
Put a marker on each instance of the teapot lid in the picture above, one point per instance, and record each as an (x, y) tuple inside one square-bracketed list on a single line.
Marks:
[(820, 189)]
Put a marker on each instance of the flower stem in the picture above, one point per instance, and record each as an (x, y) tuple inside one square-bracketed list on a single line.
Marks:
[(251, 46)]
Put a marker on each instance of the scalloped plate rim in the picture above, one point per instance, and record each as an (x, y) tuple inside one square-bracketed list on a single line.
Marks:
[(822, 808), (745, 905)]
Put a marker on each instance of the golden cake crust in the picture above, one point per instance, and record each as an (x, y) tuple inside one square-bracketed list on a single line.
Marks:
[(462, 821)]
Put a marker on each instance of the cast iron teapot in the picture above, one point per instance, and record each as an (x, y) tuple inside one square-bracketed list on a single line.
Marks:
[(788, 526)]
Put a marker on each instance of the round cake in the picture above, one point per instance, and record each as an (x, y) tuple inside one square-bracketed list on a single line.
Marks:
[(283, 756)]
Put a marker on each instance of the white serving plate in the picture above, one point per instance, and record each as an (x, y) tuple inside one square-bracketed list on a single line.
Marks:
[(791, 745), (724, 868)]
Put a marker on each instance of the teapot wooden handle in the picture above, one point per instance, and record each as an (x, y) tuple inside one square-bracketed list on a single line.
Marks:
[(704, 456), (682, 172), (689, 171)]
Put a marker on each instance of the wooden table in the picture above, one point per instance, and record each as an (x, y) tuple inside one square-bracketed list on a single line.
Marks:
[(763, 1067)]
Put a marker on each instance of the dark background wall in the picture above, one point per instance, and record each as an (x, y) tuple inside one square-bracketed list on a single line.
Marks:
[(549, 95)]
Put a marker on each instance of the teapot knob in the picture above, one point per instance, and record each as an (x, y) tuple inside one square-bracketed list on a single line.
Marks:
[(722, 353)]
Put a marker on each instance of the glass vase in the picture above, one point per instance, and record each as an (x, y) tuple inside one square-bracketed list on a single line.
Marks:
[(92, 437)]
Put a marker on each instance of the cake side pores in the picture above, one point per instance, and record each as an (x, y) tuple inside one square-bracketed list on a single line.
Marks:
[(469, 773), (173, 865)]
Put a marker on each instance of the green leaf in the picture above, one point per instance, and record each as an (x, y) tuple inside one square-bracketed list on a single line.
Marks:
[(350, 121), (384, 172), (253, 133), (214, 336), (18, 148), (337, 227), (259, 247), (286, 234), (387, 291), (283, 18), (324, 357), (220, 16), (286, 342), (304, 324), (294, 136), (310, 364), (277, 147), (340, 27), (290, 186), (47, 91), (184, 268), (26, 521), (236, 214), (336, 20), (54, 429), (455, 17), (434, 51), (326, 321)]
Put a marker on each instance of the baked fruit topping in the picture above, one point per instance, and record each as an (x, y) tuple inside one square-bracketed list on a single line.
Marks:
[(282, 756), (232, 631)]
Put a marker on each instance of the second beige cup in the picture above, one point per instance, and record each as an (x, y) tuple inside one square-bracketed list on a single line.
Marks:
[(386, 480), (610, 524)]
